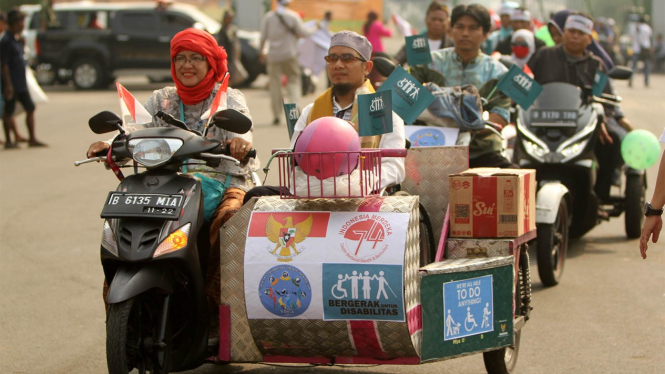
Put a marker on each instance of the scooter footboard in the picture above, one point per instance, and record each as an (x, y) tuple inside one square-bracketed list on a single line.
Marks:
[(323, 278)]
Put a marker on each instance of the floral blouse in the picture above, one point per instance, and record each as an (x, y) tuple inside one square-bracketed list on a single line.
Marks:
[(168, 101)]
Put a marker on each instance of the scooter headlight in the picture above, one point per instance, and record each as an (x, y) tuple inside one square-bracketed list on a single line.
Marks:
[(574, 149), (177, 240), (534, 149), (151, 152), (108, 239)]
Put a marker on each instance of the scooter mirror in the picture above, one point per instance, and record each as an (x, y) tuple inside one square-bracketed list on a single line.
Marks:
[(620, 72), (104, 122), (384, 66), (232, 120)]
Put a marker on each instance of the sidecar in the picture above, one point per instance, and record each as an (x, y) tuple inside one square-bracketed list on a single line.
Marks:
[(341, 280)]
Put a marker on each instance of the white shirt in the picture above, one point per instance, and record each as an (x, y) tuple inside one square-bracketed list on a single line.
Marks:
[(641, 33), (392, 168)]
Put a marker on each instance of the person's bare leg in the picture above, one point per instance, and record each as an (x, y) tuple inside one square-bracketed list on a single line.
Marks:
[(30, 122)]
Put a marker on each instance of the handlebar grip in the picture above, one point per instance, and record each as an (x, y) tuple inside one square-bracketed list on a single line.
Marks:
[(250, 154)]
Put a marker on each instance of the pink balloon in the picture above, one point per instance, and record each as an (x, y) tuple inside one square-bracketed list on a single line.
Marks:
[(328, 134)]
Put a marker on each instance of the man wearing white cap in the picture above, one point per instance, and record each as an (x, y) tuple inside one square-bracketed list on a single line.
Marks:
[(349, 63), (281, 29), (520, 19), (504, 32), (570, 62)]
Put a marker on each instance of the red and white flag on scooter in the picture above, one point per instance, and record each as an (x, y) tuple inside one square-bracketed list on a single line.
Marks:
[(132, 110), (219, 102)]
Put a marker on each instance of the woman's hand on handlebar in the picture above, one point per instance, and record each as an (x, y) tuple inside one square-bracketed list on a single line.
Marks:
[(97, 147), (238, 148)]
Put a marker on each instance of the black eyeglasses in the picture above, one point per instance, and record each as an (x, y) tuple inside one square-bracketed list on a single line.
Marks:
[(345, 57)]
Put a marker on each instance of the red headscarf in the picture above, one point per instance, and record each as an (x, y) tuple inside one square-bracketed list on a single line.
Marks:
[(201, 42)]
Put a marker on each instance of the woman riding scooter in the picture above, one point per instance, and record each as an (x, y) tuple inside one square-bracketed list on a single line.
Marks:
[(197, 64)]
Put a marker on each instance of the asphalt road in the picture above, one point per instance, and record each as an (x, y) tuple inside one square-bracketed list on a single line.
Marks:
[(606, 316)]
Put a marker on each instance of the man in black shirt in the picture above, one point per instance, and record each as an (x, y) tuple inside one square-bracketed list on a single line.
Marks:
[(14, 83), (570, 62)]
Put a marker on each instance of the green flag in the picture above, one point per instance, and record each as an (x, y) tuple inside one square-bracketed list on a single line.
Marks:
[(409, 97), (375, 114), (417, 50), (292, 115), (599, 83), (519, 87)]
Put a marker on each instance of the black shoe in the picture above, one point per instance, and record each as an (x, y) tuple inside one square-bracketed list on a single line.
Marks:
[(275, 121), (11, 145)]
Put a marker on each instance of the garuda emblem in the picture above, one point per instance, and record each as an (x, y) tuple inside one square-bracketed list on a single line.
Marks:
[(286, 236)]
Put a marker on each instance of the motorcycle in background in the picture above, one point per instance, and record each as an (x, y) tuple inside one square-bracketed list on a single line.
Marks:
[(557, 136)]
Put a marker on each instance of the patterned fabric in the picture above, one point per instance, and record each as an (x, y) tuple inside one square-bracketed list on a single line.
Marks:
[(168, 101), (478, 71)]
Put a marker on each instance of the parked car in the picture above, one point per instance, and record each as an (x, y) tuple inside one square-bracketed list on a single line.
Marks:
[(124, 39)]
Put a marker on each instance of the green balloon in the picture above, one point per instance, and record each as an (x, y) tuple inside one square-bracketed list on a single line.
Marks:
[(640, 149)]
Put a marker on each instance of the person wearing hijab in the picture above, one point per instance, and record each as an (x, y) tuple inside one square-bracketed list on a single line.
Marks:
[(523, 46), (556, 26), (198, 64)]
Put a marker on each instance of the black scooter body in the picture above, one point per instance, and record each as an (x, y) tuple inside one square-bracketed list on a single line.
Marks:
[(180, 274)]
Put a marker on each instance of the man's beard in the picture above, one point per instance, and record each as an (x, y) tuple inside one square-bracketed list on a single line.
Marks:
[(342, 88)]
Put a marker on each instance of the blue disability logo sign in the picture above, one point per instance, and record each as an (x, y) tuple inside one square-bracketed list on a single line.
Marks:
[(285, 291), (427, 138), (468, 307), (362, 292)]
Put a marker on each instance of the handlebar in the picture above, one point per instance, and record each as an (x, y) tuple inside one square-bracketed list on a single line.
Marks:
[(385, 152)]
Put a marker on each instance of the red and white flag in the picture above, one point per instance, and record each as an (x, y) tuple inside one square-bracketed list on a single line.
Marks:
[(219, 102), (403, 25), (132, 110)]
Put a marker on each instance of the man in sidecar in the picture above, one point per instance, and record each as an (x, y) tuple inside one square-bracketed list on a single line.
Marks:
[(348, 66)]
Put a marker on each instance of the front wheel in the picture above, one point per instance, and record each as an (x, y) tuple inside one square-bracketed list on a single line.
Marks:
[(131, 334), (634, 203), (553, 246)]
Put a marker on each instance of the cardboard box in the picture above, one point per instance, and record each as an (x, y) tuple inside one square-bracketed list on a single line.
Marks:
[(492, 203)]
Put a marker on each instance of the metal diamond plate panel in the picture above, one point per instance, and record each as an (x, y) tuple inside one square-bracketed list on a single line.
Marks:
[(475, 248), (427, 171), (251, 339)]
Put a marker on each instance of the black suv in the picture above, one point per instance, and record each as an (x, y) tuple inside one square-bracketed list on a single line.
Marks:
[(96, 42)]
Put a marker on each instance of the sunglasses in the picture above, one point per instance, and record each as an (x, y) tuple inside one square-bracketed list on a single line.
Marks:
[(345, 57)]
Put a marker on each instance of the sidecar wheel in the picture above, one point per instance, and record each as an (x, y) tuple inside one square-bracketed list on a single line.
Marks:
[(504, 360), (130, 330)]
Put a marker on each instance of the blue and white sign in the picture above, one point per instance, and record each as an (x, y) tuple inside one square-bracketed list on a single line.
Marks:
[(362, 292), (468, 307), (429, 136)]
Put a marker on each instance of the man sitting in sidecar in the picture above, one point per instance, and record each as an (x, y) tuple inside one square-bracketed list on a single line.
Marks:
[(348, 66)]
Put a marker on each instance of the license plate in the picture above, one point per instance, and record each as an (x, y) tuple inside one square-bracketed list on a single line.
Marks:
[(138, 205), (554, 118)]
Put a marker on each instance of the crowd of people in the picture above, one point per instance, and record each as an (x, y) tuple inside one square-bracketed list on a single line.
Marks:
[(457, 39)]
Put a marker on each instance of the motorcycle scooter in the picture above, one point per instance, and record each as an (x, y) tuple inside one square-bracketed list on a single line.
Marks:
[(155, 244), (557, 136)]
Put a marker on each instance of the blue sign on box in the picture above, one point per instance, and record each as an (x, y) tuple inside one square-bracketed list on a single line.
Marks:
[(468, 307)]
